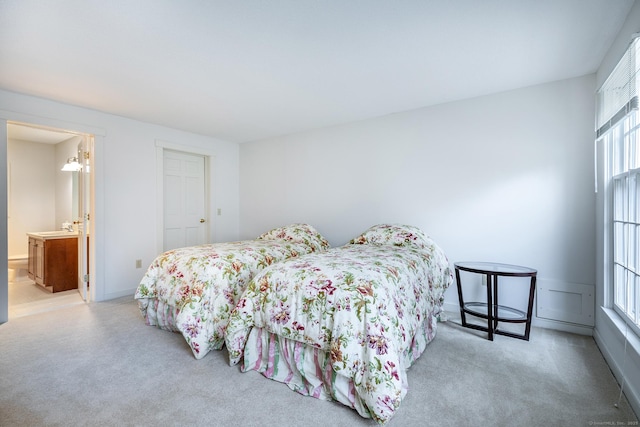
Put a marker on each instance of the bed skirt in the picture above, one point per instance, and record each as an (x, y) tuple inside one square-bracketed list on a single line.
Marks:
[(158, 313), (308, 371)]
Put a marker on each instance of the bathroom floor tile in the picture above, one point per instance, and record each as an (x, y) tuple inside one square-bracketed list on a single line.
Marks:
[(25, 298)]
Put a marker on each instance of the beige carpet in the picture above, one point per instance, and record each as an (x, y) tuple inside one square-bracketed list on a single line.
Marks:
[(100, 365)]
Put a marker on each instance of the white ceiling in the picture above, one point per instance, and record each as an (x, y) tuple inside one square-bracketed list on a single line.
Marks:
[(244, 70), (35, 134)]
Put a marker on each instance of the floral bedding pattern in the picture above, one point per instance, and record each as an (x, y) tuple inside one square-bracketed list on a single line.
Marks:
[(192, 290), (365, 304)]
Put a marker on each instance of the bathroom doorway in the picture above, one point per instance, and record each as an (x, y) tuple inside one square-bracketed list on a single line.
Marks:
[(41, 197)]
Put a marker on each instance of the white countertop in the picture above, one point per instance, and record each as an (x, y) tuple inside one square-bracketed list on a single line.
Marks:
[(60, 234)]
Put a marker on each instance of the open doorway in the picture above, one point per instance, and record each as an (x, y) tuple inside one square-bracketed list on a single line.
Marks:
[(42, 201)]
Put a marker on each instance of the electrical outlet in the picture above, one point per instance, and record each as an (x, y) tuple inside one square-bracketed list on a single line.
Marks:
[(138, 263), (219, 211), (484, 280)]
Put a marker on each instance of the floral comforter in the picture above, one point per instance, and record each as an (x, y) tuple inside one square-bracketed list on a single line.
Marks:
[(193, 290), (368, 304)]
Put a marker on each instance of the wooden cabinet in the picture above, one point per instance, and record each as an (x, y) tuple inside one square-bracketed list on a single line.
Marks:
[(35, 266), (53, 263)]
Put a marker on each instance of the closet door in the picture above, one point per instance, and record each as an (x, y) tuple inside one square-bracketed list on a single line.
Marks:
[(184, 198)]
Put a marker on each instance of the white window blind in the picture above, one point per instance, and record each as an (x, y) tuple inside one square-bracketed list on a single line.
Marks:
[(618, 95)]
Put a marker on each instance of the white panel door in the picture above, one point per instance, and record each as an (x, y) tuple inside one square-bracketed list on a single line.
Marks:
[(184, 200)]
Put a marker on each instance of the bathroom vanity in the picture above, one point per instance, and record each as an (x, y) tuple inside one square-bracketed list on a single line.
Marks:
[(53, 260)]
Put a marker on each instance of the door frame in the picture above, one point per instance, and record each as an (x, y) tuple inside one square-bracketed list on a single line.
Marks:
[(209, 163), (96, 261), (86, 155)]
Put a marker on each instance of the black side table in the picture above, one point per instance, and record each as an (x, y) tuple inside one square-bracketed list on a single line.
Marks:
[(490, 310)]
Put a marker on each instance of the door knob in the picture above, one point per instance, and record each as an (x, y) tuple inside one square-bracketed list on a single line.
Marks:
[(201, 220)]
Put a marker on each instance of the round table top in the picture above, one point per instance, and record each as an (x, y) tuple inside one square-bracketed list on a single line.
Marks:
[(495, 268)]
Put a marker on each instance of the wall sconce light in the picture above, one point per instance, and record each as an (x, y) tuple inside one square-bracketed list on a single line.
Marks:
[(72, 165)]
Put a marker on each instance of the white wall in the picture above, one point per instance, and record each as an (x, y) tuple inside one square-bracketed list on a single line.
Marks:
[(506, 178), (40, 194), (32, 201), (610, 332), (125, 173)]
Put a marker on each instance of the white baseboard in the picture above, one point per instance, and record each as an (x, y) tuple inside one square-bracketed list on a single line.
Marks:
[(562, 326), (114, 295)]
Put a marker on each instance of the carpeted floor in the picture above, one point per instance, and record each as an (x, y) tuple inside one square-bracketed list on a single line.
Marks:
[(99, 365)]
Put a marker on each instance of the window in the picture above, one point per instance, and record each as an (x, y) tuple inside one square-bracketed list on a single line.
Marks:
[(625, 215), (618, 127)]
